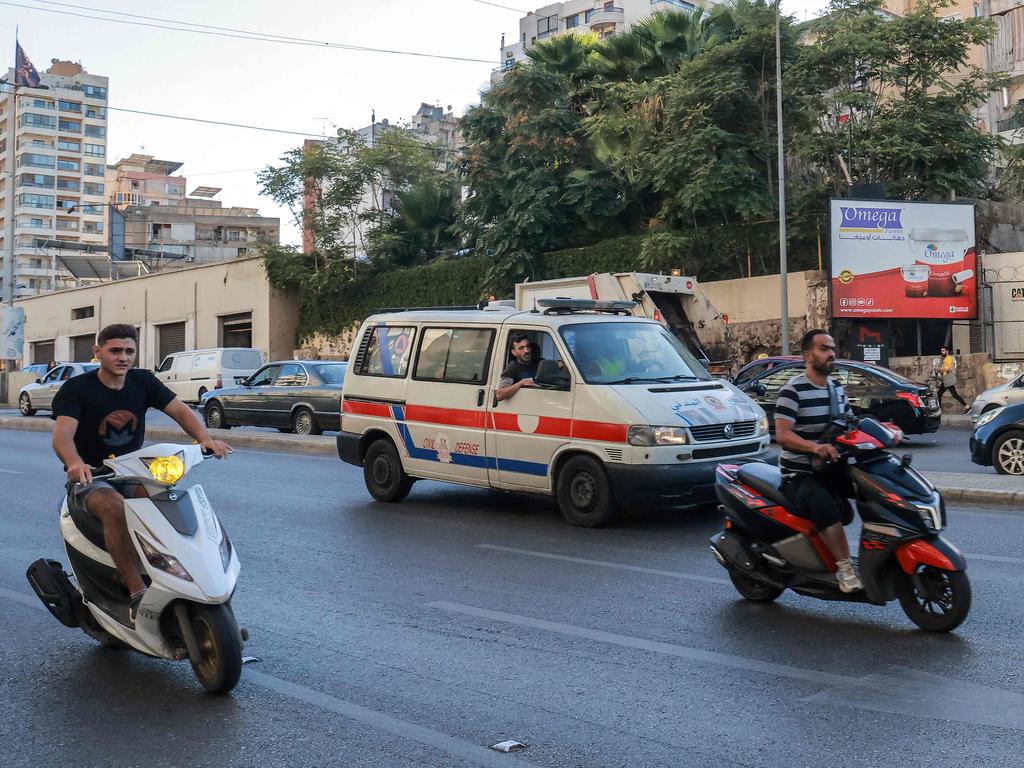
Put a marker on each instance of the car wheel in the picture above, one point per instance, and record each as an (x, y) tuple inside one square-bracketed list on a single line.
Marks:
[(383, 473), (584, 493), (25, 405), (1008, 453), (304, 422), (215, 416), (202, 391)]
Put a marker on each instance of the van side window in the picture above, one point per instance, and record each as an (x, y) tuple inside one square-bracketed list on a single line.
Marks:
[(385, 351), (454, 354)]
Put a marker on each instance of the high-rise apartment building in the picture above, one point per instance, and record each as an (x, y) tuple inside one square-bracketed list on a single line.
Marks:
[(54, 159), (601, 17)]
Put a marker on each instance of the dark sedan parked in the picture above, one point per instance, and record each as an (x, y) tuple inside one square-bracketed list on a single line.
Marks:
[(998, 440), (755, 367), (301, 396), (872, 391)]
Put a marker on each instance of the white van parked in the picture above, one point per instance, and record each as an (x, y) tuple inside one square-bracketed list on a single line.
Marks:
[(621, 416), (190, 375)]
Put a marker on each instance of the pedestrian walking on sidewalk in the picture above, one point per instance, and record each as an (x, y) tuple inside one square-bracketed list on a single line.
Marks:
[(947, 372)]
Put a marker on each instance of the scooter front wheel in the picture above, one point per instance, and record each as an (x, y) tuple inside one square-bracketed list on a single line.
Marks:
[(752, 589), (219, 642), (936, 600)]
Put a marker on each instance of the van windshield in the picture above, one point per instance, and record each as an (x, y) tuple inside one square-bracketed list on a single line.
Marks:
[(630, 353)]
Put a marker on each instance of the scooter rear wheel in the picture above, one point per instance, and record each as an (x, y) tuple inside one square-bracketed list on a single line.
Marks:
[(220, 647), (940, 603), (752, 589)]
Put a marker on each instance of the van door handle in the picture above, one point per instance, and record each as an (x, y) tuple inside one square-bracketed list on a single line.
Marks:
[(479, 398)]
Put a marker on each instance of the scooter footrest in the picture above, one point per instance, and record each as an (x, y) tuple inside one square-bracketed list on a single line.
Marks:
[(54, 588)]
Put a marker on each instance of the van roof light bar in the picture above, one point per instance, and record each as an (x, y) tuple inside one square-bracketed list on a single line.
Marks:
[(563, 306)]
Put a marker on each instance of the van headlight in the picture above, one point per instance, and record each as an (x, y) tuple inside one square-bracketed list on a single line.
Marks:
[(987, 417), (762, 425), (166, 469), (643, 435)]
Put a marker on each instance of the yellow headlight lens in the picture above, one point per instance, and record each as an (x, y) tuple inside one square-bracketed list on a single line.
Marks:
[(167, 469)]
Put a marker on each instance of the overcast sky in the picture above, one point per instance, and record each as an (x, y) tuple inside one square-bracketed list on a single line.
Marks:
[(291, 87)]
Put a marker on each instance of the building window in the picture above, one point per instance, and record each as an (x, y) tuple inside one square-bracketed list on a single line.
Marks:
[(92, 188), (172, 189), (94, 91), (69, 106), (679, 3), (81, 313), (70, 126), (35, 223), (68, 185), (235, 330), (68, 165), (36, 161), (234, 235), (36, 201), (97, 113), (92, 227), (91, 209), (92, 169), (96, 150), (42, 104), (96, 131), (36, 180), (36, 263), (610, 5), (572, 21), (38, 121), (547, 25), (69, 146)]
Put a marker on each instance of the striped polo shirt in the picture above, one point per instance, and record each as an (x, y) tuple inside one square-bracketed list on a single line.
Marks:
[(807, 406)]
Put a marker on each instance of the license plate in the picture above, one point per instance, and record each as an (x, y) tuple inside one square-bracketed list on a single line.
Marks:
[(932, 403)]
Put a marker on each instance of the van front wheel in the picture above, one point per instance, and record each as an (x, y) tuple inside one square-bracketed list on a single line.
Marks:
[(382, 471), (584, 494)]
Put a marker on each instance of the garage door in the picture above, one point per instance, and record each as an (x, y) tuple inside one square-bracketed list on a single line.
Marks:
[(170, 338), (42, 352), (81, 348)]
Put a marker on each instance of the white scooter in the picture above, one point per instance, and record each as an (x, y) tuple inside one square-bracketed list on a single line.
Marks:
[(188, 560)]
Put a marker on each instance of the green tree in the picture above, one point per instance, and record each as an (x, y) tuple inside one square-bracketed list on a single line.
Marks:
[(421, 227)]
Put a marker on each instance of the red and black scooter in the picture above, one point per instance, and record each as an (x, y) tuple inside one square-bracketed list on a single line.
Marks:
[(767, 549)]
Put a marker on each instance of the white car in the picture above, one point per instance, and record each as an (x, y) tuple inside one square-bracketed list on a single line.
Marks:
[(39, 395), (1003, 394)]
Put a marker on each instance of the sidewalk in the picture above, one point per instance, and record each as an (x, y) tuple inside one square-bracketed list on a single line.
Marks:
[(963, 487)]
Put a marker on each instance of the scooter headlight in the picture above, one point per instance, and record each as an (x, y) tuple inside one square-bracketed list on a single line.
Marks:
[(165, 563), (931, 514), (644, 435), (167, 469)]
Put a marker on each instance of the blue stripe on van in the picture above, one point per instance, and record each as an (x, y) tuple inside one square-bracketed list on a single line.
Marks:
[(535, 468)]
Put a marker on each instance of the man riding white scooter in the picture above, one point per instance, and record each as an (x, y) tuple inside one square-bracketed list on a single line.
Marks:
[(102, 414)]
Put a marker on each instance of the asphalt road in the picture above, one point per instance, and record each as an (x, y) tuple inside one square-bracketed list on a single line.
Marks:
[(417, 634), (943, 451)]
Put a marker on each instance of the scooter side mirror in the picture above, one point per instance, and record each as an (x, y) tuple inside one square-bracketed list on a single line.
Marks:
[(905, 460)]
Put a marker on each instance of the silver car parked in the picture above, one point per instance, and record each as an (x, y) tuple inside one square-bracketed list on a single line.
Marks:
[(1003, 394), (39, 396)]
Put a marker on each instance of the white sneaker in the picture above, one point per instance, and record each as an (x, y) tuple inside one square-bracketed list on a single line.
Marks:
[(846, 576)]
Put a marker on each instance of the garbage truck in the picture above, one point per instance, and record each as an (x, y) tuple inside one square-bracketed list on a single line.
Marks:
[(675, 300)]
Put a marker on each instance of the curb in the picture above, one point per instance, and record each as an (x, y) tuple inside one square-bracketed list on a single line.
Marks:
[(317, 445), (981, 496)]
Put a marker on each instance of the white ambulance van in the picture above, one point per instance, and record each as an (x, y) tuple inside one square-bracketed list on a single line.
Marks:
[(622, 415)]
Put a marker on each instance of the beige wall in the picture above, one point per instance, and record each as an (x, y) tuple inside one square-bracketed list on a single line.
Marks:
[(197, 296), (751, 299)]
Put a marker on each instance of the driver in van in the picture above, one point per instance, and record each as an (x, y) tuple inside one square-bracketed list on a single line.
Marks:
[(521, 370)]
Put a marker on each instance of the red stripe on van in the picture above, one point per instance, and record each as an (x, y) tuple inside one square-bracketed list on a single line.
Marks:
[(451, 416), (598, 430), (365, 409)]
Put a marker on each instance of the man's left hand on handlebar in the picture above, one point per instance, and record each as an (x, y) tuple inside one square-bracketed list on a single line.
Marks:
[(218, 448)]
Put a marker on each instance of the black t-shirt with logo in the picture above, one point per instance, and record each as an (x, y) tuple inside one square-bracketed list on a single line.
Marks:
[(110, 421), (517, 371)]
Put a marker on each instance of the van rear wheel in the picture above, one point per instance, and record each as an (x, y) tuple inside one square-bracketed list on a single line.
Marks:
[(584, 493), (383, 474)]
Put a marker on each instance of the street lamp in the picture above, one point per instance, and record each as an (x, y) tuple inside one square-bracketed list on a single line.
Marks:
[(783, 272)]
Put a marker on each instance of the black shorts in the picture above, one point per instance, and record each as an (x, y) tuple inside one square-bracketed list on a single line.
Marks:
[(811, 498)]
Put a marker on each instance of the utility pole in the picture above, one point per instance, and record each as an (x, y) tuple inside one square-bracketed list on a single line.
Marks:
[(783, 270)]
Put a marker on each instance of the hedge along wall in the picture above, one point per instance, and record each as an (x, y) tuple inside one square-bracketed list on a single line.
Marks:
[(452, 282)]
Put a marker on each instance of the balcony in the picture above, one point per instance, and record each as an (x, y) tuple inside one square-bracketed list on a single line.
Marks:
[(1009, 124), (603, 18), (67, 226)]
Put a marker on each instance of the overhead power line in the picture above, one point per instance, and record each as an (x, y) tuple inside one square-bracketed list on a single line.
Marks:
[(228, 32), (499, 5)]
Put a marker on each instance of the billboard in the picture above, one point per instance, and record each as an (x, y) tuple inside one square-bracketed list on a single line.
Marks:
[(12, 332), (893, 259)]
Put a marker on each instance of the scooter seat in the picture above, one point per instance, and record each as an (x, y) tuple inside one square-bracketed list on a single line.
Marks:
[(89, 526), (764, 478)]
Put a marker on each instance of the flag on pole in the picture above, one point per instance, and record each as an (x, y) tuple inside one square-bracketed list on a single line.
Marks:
[(25, 73)]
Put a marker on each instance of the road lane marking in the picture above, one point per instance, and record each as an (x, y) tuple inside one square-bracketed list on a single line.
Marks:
[(605, 564), (993, 558), (897, 689), (12, 471), (465, 750), (667, 649)]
